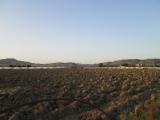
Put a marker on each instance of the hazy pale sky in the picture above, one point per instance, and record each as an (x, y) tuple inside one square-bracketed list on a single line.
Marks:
[(85, 31)]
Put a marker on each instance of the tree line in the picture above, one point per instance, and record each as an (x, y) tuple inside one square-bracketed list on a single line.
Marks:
[(20, 65), (129, 65)]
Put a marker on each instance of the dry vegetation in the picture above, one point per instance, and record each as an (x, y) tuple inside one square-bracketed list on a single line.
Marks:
[(122, 94)]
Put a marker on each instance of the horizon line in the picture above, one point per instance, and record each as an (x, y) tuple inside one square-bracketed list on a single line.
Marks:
[(80, 62)]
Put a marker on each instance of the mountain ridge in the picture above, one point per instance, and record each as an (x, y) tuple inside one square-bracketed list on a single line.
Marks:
[(134, 63), (123, 62), (14, 62)]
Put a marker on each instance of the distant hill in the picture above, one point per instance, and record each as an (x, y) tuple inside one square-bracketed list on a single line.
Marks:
[(59, 64), (117, 63), (14, 62), (134, 63), (67, 65)]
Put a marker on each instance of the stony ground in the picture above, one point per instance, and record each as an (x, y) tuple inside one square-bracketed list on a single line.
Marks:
[(80, 94)]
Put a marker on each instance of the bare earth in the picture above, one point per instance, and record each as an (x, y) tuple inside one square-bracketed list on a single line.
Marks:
[(80, 94)]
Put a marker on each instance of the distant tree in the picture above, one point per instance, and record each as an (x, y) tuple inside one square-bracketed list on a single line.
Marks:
[(28, 65), (101, 65), (12, 65), (132, 65), (125, 64), (157, 65)]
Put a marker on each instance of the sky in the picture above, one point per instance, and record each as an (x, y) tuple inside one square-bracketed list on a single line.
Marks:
[(83, 31)]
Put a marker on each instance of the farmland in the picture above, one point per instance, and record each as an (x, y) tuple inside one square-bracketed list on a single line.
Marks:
[(80, 94)]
